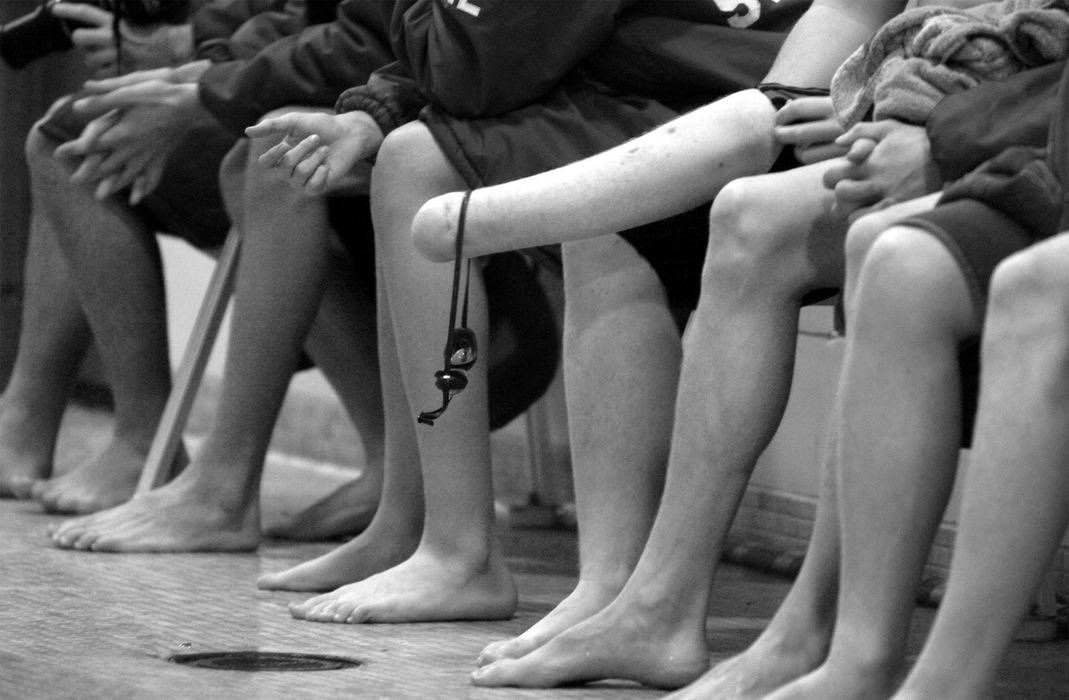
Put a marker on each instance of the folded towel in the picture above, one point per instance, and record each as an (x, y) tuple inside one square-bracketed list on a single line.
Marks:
[(925, 54)]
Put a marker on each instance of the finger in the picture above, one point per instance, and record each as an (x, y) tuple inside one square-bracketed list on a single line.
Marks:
[(805, 109), (305, 169), (294, 156), (82, 12), (104, 188), (866, 130), (97, 167), (860, 150), (272, 157), (128, 173), (319, 183), (861, 192), (807, 132), (99, 87), (87, 140), (95, 38), (87, 168), (841, 170), (277, 125), (148, 180), (818, 153)]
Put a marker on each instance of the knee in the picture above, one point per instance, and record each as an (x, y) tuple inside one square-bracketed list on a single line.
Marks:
[(861, 236), (411, 154), (1028, 309), (232, 177), (39, 151), (910, 283), (748, 250)]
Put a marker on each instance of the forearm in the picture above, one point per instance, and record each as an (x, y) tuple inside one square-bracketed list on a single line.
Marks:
[(825, 36)]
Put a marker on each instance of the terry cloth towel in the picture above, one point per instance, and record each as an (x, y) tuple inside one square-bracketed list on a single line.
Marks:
[(925, 54)]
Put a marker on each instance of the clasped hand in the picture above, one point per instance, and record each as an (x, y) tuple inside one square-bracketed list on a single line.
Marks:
[(135, 122), (886, 162)]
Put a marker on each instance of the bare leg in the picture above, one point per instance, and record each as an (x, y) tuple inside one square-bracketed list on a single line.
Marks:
[(1016, 499), (797, 639), (214, 503), (675, 167), (395, 529), (901, 395), (620, 421), (114, 264), (54, 338), (458, 570), (345, 350), (772, 240)]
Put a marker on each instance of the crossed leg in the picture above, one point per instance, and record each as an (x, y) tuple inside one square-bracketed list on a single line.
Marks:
[(1015, 503)]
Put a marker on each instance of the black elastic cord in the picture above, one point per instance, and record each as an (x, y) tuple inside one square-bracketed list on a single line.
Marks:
[(456, 283)]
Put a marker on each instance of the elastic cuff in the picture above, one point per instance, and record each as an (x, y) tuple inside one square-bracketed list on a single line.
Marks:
[(779, 94)]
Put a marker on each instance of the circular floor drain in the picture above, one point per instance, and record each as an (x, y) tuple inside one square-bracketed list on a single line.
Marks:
[(263, 661)]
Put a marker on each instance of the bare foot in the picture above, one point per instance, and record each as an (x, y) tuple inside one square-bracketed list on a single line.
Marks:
[(26, 447), (177, 517), (586, 600), (617, 643), (347, 511), (379, 548), (426, 587), (104, 481), (756, 672), (842, 683)]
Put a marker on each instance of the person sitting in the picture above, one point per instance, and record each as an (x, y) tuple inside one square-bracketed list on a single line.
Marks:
[(1014, 504), (55, 334), (919, 342), (457, 571), (213, 504), (765, 258), (177, 138)]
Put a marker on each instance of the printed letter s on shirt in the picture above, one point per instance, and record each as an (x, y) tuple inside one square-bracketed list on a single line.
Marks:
[(743, 12)]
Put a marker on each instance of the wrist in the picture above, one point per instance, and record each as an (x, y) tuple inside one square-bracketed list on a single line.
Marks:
[(362, 123)]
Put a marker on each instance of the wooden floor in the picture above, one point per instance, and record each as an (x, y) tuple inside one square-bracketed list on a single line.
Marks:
[(78, 625)]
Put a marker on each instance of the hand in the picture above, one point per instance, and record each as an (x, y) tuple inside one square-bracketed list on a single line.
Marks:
[(130, 141), (319, 150), (142, 47), (186, 73), (809, 125), (887, 162)]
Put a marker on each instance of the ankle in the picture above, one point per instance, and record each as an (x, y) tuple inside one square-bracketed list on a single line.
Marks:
[(945, 683), (875, 669)]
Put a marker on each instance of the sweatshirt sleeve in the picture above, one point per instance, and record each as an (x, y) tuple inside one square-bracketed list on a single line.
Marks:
[(480, 58), (310, 67), (215, 23)]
